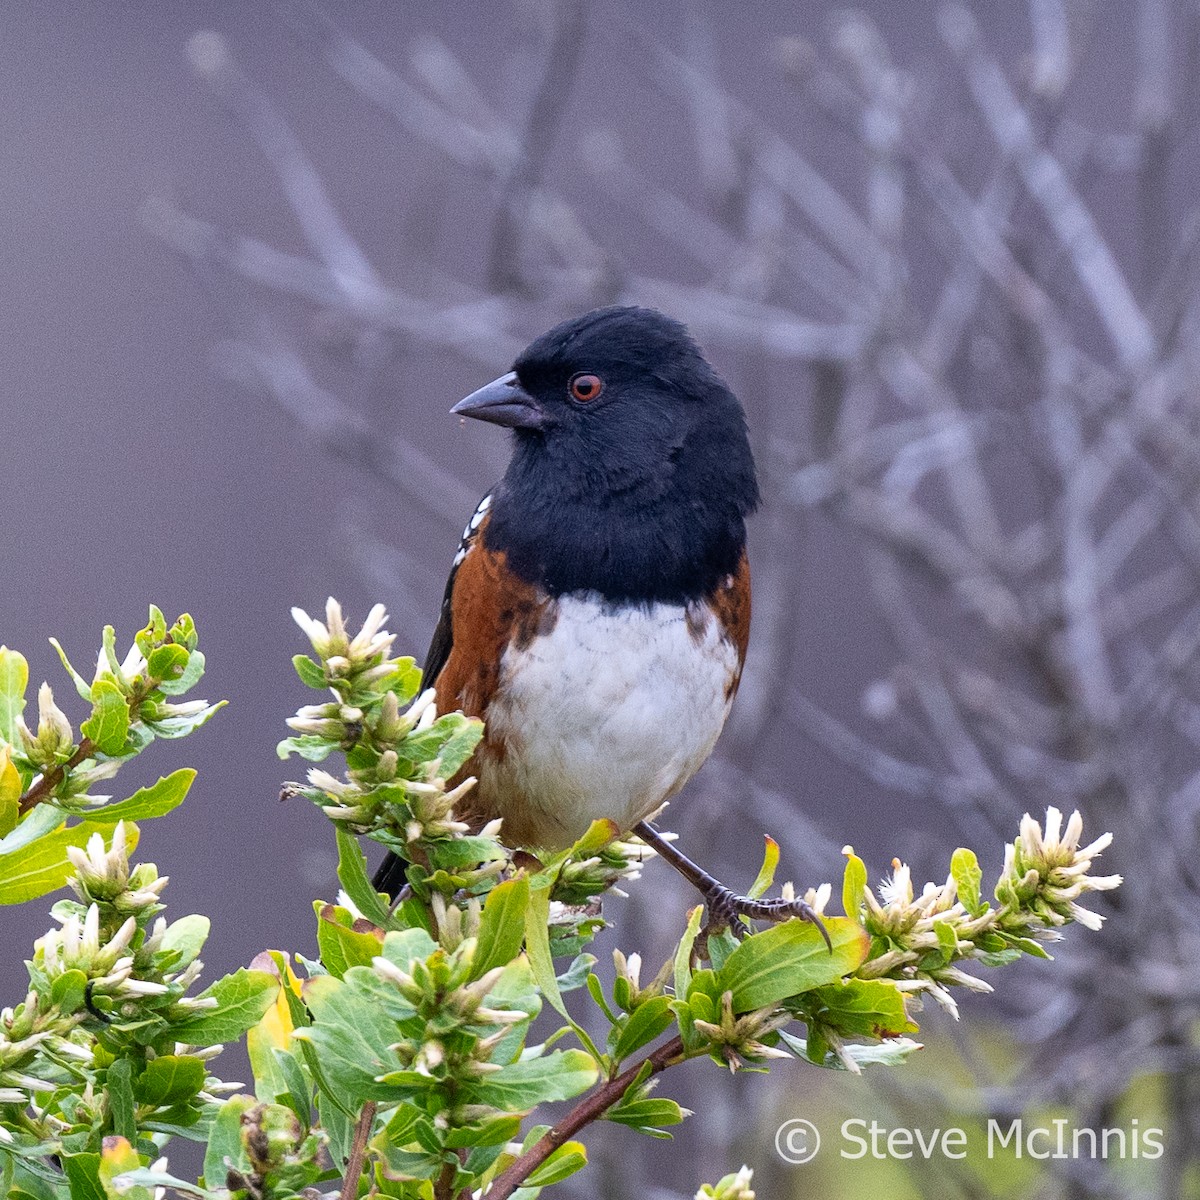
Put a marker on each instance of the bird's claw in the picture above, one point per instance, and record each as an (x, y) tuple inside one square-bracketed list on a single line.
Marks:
[(726, 910)]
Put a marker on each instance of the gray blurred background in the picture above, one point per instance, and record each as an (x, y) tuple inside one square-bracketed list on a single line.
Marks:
[(947, 257)]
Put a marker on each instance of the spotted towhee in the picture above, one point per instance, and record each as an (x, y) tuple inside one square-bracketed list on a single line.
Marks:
[(598, 609)]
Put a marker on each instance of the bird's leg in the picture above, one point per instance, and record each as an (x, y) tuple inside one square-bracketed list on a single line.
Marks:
[(724, 905)]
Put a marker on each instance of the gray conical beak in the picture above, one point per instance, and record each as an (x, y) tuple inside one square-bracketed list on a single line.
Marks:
[(503, 402)]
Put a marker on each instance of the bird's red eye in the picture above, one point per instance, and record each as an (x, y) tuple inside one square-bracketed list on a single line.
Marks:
[(585, 387)]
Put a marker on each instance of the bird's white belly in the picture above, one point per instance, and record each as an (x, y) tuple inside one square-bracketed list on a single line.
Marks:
[(605, 716)]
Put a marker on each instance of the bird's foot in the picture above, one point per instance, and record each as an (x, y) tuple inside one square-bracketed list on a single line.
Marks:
[(725, 907), (726, 910)]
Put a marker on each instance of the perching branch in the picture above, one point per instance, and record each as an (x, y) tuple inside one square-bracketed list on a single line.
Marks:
[(584, 1113)]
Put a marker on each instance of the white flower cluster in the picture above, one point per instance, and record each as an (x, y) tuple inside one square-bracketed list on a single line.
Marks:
[(370, 647), (1050, 870), (732, 1187), (1045, 872)]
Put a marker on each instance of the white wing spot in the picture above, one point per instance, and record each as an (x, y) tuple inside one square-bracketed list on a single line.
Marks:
[(465, 541), (480, 512)]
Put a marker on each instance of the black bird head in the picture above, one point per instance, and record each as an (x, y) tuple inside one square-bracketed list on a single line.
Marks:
[(631, 472)]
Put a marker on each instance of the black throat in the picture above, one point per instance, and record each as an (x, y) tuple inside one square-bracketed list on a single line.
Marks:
[(672, 541)]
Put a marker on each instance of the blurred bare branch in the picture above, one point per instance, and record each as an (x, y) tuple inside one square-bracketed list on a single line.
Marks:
[(950, 351)]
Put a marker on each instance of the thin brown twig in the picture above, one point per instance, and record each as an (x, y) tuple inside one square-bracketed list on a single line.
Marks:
[(358, 1151), (582, 1114), (444, 1183), (41, 789)]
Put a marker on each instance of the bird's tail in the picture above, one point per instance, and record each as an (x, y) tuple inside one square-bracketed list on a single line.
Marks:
[(390, 877)]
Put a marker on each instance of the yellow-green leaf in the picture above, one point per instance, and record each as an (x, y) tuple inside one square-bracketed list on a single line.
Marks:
[(537, 947), (117, 1157), (14, 678), (43, 866), (10, 793), (341, 945), (967, 875), (154, 801), (789, 959), (854, 883), (766, 873), (242, 1000), (501, 926), (108, 725), (565, 1161)]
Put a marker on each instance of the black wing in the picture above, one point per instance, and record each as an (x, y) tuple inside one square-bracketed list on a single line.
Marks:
[(390, 876), (443, 635)]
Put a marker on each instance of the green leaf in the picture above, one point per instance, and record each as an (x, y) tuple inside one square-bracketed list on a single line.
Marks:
[(683, 953), (766, 873), (108, 726), (401, 946), (225, 1148), (968, 878), (242, 999), (43, 866), (118, 1084), (153, 632), (599, 833), (186, 936), (117, 1158), (352, 875), (451, 739), (180, 726), (337, 1124), (351, 1036), (155, 801), (645, 1023), (108, 642), (721, 945), (68, 991), (192, 674), (947, 940), (299, 1094), (314, 749), (167, 663), (341, 946), (863, 1008), (537, 948), (404, 680), (412, 1165), (14, 679), (1028, 946), (563, 1163), (265, 1064), (791, 958), (854, 883), (596, 990), (999, 958), (647, 1114), (460, 745), (451, 854), (311, 673), (146, 1181), (575, 976), (523, 1085), (83, 1176), (501, 926), (82, 686), (39, 821), (169, 1080), (891, 1053)]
